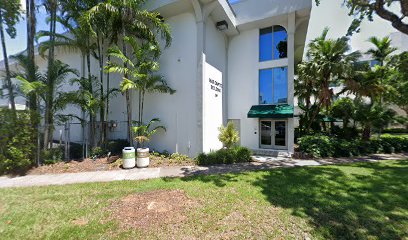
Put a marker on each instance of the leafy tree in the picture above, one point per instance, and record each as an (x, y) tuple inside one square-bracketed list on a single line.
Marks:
[(382, 49), (229, 136), (364, 9), (9, 16), (343, 109)]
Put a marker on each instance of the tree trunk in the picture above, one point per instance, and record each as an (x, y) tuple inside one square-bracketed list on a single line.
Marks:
[(83, 123), (107, 94), (6, 65), (102, 109), (127, 93), (91, 115), (50, 79), (366, 133)]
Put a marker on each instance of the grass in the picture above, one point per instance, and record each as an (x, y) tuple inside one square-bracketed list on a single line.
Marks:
[(355, 201)]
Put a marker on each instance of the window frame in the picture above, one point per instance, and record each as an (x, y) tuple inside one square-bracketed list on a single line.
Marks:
[(273, 86), (273, 43)]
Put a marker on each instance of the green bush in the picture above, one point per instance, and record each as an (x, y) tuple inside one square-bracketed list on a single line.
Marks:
[(53, 155), (330, 146), (116, 146), (225, 156), (317, 145), (17, 142), (97, 152), (228, 135)]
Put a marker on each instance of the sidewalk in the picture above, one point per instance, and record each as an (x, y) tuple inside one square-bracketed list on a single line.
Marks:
[(261, 163)]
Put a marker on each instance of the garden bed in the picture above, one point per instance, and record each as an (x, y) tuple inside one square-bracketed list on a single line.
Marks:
[(105, 164)]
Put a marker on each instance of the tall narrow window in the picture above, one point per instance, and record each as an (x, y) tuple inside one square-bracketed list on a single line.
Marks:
[(272, 43), (280, 85), (273, 86), (265, 86), (265, 44)]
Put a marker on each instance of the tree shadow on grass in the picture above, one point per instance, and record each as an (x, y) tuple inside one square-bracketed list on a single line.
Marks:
[(350, 202)]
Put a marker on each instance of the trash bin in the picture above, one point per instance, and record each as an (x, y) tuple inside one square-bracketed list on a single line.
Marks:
[(128, 156)]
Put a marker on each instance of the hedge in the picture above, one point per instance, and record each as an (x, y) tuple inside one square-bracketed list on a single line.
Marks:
[(330, 146), (225, 156), (17, 142)]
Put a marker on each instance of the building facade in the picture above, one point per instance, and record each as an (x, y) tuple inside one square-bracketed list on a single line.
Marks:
[(228, 62)]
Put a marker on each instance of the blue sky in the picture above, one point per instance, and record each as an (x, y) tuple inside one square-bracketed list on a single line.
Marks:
[(330, 13)]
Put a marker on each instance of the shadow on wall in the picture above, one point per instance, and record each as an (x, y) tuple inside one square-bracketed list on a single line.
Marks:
[(345, 202)]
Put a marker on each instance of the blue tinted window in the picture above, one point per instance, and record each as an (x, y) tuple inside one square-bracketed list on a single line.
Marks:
[(265, 86), (265, 44), (273, 86), (272, 43), (280, 44), (280, 85)]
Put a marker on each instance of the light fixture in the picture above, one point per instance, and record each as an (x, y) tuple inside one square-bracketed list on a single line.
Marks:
[(222, 25)]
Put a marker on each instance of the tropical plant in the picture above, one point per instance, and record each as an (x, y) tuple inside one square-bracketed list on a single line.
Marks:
[(127, 19), (344, 109), (9, 17), (228, 135), (144, 132), (328, 62), (382, 49), (369, 116)]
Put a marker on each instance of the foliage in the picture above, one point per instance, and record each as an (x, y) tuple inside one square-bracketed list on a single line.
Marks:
[(330, 146), (328, 61), (343, 109), (75, 151), (228, 135), (116, 146), (52, 155), (97, 152), (225, 156), (363, 9), (143, 132), (16, 142)]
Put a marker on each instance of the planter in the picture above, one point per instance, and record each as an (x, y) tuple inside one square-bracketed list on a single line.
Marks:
[(143, 157), (128, 156)]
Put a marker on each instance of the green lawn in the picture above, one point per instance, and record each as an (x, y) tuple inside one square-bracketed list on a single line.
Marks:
[(356, 201)]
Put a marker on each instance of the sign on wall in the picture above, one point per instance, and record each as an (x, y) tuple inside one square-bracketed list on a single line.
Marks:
[(212, 117)]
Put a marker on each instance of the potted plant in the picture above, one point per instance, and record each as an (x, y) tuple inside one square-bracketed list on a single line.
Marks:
[(143, 133)]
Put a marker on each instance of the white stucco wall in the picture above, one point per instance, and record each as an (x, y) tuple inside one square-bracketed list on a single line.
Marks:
[(177, 112)]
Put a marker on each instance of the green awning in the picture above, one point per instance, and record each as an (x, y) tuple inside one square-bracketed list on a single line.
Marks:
[(271, 111)]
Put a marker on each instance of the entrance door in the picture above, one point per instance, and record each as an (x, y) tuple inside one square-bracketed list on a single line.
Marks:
[(273, 134)]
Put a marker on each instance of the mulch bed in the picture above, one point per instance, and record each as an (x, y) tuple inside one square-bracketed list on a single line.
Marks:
[(102, 164), (155, 208)]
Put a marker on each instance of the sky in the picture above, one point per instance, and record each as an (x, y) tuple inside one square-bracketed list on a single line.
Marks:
[(329, 13)]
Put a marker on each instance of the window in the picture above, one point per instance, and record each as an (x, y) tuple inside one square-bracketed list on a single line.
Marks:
[(273, 85), (272, 43)]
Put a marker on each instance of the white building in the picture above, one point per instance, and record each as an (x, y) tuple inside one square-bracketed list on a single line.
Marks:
[(227, 62)]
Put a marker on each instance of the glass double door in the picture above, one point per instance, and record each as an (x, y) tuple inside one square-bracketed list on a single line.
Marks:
[(273, 134)]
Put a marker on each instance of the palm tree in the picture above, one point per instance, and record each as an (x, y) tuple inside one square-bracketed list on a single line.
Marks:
[(128, 19), (55, 100), (382, 49), (9, 16), (328, 63)]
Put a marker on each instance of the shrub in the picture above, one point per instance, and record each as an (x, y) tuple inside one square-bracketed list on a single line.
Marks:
[(317, 145), (17, 142), (225, 156), (329, 146), (229, 136), (116, 146), (97, 152), (53, 155)]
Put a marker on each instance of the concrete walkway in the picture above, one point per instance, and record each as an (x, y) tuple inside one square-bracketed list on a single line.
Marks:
[(260, 163)]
